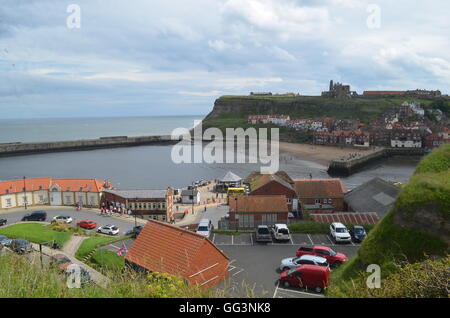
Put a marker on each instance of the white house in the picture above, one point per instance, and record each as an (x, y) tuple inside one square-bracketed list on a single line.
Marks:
[(189, 196)]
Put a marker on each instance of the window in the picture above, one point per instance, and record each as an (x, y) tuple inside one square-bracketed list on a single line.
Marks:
[(317, 201), (8, 202), (41, 198)]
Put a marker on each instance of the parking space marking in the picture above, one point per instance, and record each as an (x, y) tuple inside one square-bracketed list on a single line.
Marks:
[(276, 289), (238, 272), (329, 239), (300, 292), (214, 237), (251, 238), (312, 243), (232, 239)]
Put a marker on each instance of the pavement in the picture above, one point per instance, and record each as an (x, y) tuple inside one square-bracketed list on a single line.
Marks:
[(125, 223), (255, 266)]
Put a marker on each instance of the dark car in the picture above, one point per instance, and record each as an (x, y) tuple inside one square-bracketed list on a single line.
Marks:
[(21, 246), (35, 216), (3, 222), (135, 231), (358, 233)]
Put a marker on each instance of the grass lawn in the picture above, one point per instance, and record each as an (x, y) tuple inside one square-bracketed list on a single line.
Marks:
[(36, 233), (92, 243), (107, 260)]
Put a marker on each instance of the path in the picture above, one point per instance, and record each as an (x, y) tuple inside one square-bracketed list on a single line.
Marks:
[(71, 247)]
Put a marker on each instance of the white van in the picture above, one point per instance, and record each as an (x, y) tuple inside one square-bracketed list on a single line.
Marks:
[(280, 232), (205, 227)]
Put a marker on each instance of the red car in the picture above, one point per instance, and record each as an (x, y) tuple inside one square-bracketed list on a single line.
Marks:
[(333, 258), (307, 276), (87, 224)]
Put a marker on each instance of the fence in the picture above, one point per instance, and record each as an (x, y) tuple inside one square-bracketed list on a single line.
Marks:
[(224, 224)]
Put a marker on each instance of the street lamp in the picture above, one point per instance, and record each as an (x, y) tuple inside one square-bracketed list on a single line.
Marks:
[(25, 193), (135, 212)]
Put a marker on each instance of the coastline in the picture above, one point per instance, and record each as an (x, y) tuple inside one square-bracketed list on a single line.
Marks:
[(317, 153)]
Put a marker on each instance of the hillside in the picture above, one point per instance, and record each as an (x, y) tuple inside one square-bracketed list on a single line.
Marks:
[(233, 111), (414, 235)]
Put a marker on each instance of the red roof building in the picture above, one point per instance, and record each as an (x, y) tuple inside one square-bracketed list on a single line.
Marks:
[(164, 248), (321, 195)]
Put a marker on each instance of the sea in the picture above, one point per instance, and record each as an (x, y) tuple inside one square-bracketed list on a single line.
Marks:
[(150, 166)]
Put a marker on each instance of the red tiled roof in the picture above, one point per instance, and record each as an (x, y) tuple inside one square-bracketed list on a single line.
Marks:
[(161, 247), (80, 185), (319, 188), (32, 184), (347, 218), (259, 203)]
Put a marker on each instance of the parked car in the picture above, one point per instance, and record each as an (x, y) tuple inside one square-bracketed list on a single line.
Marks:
[(21, 246), (280, 232), (108, 229), (62, 218), (87, 224), (333, 258), (339, 233), (35, 216), (60, 260), (135, 231), (5, 241), (358, 233), (3, 222), (307, 276), (205, 227), (294, 262), (263, 234)]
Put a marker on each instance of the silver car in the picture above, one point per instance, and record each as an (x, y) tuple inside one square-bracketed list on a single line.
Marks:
[(294, 262)]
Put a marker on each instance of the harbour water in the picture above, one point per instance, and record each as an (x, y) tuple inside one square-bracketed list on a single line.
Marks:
[(149, 167)]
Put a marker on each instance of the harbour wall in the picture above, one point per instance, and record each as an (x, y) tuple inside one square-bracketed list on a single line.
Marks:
[(347, 167), (18, 149)]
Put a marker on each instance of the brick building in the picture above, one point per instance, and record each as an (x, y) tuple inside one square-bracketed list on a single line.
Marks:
[(321, 195), (163, 248), (247, 212), (149, 204)]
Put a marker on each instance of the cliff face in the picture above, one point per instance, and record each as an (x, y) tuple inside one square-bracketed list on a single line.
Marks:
[(299, 106)]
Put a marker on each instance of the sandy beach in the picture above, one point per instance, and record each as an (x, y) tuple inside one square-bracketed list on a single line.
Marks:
[(316, 153)]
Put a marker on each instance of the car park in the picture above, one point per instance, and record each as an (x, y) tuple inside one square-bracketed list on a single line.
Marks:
[(263, 234), (306, 276), (108, 229), (4, 240), (87, 224), (205, 227), (358, 233), (3, 222), (35, 216), (339, 233), (62, 218), (333, 258), (21, 246), (294, 262), (280, 232)]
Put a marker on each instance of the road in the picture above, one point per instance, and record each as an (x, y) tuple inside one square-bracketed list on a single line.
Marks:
[(94, 215)]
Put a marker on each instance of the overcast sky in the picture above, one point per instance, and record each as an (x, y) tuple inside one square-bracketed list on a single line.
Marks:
[(175, 57)]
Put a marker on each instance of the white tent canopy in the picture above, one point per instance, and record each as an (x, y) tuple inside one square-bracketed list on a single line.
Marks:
[(231, 177)]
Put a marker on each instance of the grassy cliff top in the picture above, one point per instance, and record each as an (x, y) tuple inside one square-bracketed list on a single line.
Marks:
[(416, 229)]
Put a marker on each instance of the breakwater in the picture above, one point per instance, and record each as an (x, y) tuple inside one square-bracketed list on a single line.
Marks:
[(17, 149), (346, 166)]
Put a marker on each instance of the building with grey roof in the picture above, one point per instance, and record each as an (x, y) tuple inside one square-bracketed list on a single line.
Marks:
[(376, 195)]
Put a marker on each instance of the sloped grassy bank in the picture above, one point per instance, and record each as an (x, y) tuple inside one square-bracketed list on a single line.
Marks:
[(411, 243)]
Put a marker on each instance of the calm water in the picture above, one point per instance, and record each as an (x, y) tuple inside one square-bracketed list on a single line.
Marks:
[(147, 166), (57, 129), (151, 167)]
